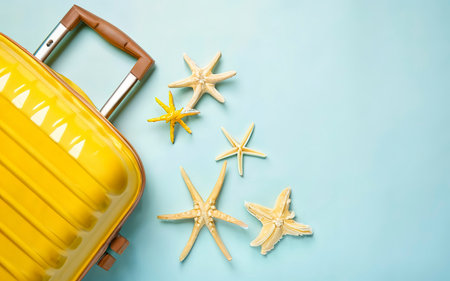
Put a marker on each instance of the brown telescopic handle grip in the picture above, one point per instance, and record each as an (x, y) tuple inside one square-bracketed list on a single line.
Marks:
[(113, 35)]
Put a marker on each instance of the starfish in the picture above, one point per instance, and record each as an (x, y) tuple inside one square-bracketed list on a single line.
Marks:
[(276, 222), (240, 148), (173, 116), (202, 81), (204, 213)]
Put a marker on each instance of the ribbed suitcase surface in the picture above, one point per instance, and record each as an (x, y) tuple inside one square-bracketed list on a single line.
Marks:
[(67, 177)]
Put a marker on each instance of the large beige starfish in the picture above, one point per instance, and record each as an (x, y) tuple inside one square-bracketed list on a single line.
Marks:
[(202, 81), (276, 222), (204, 213), (239, 148)]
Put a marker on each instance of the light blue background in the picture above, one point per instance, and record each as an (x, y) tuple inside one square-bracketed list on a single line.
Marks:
[(351, 103)]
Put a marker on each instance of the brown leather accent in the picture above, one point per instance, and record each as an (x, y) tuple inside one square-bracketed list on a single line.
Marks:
[(113, 35), (119, 244), (106, 262)]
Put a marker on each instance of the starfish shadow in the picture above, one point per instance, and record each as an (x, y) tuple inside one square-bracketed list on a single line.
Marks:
[(178, 221)]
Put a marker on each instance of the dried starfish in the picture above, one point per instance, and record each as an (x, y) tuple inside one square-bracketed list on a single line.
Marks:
[(173, 116), (202, 81), (239, 148), (204, 213), (276, 222)]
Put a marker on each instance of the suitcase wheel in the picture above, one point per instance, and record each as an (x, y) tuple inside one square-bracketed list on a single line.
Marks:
[(119, 244), (106, 262)]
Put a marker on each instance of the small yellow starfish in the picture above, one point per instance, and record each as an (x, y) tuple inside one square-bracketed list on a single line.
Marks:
[(173, 116), (239, 148), (204, 213), (276, 222), (202, 81)]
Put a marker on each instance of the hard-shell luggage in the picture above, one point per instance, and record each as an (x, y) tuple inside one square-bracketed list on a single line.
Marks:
[(68, 178)]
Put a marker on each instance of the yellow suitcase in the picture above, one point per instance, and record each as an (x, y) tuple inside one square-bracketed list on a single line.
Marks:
[(68, 178)]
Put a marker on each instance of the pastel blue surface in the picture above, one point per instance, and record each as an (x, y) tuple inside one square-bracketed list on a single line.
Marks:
[(351, 104)]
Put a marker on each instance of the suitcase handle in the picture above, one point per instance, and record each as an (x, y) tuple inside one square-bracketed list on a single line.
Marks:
[(114, 36)]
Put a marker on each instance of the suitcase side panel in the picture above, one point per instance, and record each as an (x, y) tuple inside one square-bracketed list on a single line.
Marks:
[(78, 178)]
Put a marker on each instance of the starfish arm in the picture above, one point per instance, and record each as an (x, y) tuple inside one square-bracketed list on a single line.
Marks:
[(287, 215), (262, 213), (282, 202), (240, 162), (191, 241), (189, 113), (272, 240), (229, 137), (185, 126), (160, 118), (218, 186), (292, 227), (252, 152), (192, 65), (194, 193), (214, 93), (227, 153), (266, 231), (248, 134), (222, 216), (171, 104), (212, 229), (180, 216), (186, 82), (212, 64), (198, 92), (172, 131), (165, 107), (215, 78)]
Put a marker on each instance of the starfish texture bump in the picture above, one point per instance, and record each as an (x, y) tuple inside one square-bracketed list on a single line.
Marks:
[(240, 148), (202, 81), (173, 116), (276, 222), (204, 213)]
